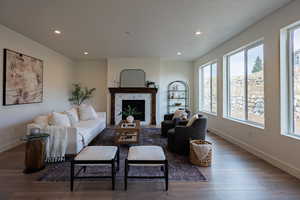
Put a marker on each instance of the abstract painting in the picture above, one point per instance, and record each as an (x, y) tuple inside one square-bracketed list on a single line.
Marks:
[(22, 79)]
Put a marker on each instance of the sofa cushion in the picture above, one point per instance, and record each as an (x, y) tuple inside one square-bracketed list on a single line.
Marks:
[(73, 115), (87, 112), (42, 121), (60, 119), (89, 128)]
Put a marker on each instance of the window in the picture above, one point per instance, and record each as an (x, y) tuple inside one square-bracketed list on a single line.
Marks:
[(208, 88), (290, 79), (245, 84)]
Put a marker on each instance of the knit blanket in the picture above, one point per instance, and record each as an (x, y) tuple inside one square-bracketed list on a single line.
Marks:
[(57, 142)]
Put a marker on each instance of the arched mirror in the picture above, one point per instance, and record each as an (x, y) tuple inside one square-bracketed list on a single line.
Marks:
[(132, 78)]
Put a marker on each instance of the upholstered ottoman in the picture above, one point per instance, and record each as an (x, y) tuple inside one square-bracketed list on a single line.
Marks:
[(96, 155), (146, 156)]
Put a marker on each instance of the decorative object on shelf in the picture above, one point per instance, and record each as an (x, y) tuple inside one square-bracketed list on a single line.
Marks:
[(35, 152), (132, 78), (80, 94), (150, 84), (129, 112), (22, 79), (178, 96)]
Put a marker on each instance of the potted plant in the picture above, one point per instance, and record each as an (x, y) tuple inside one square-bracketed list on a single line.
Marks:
[(128, 113), (80, 94)]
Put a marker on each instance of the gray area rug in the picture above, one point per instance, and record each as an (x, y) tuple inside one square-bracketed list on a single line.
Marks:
[(179, 167)]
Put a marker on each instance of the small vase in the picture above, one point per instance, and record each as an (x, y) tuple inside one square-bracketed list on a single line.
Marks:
[(130, 119)]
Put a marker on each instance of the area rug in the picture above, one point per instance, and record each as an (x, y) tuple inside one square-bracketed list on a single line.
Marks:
[(179, 167)]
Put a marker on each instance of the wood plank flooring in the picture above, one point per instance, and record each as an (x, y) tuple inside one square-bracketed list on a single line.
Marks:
[(235, 175)]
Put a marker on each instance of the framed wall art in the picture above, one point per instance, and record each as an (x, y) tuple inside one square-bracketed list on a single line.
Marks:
[(22, 79)]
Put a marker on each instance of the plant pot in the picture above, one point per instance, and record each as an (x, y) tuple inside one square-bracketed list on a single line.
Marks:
[(130, 119)]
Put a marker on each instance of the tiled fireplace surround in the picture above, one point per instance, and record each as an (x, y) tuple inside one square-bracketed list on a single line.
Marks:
[(133, 96), (120, 94)]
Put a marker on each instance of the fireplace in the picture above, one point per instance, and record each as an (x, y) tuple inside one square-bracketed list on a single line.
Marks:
[(147, 95), (139, 106)]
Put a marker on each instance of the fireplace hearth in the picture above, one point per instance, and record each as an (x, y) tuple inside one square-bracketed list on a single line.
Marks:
[(139, 106)]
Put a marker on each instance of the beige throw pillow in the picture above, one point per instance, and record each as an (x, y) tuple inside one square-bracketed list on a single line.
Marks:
[(60, 119), (87, 112), (42, 121), (192, 120), (178, 114)]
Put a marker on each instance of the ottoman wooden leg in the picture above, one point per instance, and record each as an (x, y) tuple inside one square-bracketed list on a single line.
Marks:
[(167, 175), (126, 174), (118, 159), (72, 176), (113, 174)]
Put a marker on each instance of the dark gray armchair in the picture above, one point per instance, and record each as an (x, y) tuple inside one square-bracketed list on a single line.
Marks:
[(180, 136), (170, 123)]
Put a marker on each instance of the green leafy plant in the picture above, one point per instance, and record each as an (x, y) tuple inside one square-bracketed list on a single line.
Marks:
[(80, 94), (129, 111)]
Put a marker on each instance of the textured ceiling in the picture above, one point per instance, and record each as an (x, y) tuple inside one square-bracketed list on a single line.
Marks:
[(133, 28)]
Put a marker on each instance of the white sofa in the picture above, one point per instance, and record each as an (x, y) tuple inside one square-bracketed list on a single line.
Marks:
[(81, 133)]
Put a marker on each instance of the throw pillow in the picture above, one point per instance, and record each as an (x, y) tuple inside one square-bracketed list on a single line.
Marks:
[(87, 112), (60, 119), (73, 115), (42, 121), (192, 120), (178, 114)]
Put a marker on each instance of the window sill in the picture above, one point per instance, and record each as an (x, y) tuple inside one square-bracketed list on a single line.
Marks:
[(290, 135), (248, 123), (209, 113)]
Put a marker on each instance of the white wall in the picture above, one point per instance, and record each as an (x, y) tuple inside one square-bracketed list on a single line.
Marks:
[(268, 143), (172, 71), (93, 74), (161, 72), (58, 76)]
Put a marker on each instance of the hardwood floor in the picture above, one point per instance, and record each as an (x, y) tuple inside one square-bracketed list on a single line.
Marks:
[(235, 174)]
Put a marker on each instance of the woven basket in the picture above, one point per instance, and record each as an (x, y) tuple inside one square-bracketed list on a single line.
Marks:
[(206, 162)]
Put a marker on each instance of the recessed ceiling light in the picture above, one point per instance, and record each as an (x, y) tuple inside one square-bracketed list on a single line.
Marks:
[(179, 53), (198, 33), (85, 53), (57, 32)]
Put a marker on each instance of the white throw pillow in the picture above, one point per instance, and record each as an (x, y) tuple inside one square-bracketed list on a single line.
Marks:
[(42, 120), (73, 115), (192, 120), (178, 114), (60, 119), (87, 112)]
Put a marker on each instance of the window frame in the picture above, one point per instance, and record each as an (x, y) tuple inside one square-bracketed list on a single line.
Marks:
[(201, 86), (227, 92), (287, 80)]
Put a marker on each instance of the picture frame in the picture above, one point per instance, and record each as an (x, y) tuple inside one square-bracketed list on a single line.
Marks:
[(22, 79)]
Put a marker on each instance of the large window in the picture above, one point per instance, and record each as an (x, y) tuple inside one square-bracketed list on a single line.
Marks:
[(208, 88), (290, 79), (245, 84)]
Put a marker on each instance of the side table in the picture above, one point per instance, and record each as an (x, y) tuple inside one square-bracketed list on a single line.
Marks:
[(35, 152)]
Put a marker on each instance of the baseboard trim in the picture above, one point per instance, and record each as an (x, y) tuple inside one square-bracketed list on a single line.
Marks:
[(257, 152), (10, 145)]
